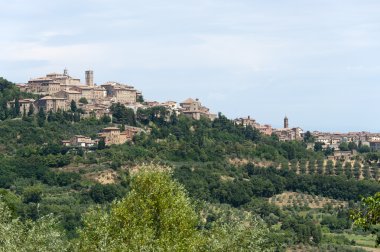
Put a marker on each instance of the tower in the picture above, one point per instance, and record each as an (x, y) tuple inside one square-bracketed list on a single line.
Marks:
[(65, 72), (286, 122), (89, 78)]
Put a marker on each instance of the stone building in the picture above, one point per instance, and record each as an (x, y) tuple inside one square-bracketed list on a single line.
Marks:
[(112, 135), (52, 103), (58, 87), (82, 141), (51, 83), (97, 110), (24, 104), (69, 95), (194, 109), (246, 121), (265, 129), (120, 93), (288, 134), (374, 145)]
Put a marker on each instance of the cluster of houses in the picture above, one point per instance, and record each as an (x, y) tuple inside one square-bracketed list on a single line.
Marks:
[(283, 134), (57, 91), (333, 140), (110, 136)]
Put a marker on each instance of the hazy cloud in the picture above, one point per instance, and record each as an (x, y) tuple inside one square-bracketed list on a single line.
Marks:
[(316, 61)]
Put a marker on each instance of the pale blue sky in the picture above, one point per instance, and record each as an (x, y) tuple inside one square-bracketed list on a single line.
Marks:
[(317, 61)]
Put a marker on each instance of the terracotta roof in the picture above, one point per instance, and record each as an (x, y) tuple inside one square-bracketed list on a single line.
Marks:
[(111, 128), (188, 100), (52, 98), (72, 92)]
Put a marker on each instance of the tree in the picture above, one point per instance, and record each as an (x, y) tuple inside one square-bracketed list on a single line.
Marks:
[(83, 100), (101, 144), (352, 146), (121, 114), (308, 137), (318, 146), (24, 113), (320, 166), (140, 98), (348, 169), (155, 215), (16, 108), (73, 106), (338, 168), (366, 172), (368, 215), (41, 117), (303, 163), (76, 116), (122, 127), (330, 167), (312, 164), (343, 146), (357, 167), (31, 110), (42, 235), (329, 151)]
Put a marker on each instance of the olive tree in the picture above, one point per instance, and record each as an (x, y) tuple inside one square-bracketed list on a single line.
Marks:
[(41, 235), (158, 215)]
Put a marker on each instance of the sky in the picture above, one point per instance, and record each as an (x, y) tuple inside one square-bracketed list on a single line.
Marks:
[(316, 61)]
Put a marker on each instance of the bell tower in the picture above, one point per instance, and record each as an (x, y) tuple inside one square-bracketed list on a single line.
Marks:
[(286, 122), (89, 78)]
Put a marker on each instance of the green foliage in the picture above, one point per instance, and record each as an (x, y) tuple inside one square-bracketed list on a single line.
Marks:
[(32, 194), (158, 215), (330, 167), (348, 169), (83, 100), (40, 177), (337, 222), (318, 146), (73, 106), (368, 215), (304, 229), (41, 117), (343, 146), (308, 137), (42, 235), (106, 193), (101, 144), (123, 115), (230, 229)]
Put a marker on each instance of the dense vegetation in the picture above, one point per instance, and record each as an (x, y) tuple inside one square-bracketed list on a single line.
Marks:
[(228, 171)]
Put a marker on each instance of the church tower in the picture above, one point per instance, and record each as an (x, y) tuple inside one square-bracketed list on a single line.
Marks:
[(89, 78), (286, 122)]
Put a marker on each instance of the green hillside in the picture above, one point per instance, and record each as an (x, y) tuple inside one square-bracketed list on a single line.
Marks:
[(223, 186)]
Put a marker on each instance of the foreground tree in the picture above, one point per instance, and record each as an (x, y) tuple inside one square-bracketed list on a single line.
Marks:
[(368, 215), (42, 235), (157, 215)]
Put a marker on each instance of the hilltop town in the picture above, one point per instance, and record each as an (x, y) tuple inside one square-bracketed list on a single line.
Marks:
[(57, 92), (54, 161)]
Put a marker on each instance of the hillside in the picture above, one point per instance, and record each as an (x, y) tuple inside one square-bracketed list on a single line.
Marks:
[(224, 168)]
